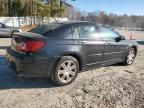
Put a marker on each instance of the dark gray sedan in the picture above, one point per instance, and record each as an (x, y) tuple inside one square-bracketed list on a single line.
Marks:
[(7, 31), (62, 50)]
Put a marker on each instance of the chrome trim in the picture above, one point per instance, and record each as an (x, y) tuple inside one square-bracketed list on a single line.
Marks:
[(114, 52), (95, 54), (101, 62)]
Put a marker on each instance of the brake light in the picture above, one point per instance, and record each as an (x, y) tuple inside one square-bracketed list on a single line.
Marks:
[(30, 46)]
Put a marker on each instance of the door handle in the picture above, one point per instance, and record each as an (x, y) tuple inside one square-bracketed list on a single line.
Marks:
[(108, 43), (82, 42)]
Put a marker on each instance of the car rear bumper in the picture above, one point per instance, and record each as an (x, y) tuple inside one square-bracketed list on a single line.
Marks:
[(30, 66)]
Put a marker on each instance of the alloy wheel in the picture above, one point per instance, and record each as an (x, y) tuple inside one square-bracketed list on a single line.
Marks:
[(67, 71), (131, 56)]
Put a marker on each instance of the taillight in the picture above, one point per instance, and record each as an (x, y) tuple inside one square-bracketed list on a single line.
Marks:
[(30, 46)]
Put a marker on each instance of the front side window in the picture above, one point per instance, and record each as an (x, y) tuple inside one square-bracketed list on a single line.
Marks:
[(107, 33)]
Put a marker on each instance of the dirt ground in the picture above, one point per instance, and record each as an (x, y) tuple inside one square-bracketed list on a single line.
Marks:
[(114, 86)]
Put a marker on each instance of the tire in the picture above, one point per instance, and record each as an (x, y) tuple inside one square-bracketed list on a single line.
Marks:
[(66, 71), (130, 57)]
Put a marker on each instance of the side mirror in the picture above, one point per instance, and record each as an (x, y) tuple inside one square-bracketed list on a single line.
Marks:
[(117, 39)]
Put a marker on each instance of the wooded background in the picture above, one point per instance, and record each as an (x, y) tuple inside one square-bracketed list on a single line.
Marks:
[(62, 9)]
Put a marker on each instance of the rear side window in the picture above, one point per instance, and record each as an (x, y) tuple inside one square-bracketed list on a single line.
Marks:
[(63, 32), (75, 32), (107, 33), (86, 31), (43, 29)]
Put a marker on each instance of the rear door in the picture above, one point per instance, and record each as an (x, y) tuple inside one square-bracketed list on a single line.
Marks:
[(89, 44)]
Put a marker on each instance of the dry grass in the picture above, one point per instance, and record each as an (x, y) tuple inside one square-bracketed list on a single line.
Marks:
[(27, 28), (139, 35)]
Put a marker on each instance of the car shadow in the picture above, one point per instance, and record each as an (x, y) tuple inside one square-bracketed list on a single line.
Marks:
[(118, 64), (9, 80)]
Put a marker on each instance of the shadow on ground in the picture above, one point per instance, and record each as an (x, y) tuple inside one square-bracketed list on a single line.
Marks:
[(9, 80)]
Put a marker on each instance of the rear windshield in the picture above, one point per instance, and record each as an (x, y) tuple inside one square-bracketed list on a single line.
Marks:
[(43, 29)]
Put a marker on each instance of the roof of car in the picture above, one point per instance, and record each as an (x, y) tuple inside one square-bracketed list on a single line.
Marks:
[(73, 22)]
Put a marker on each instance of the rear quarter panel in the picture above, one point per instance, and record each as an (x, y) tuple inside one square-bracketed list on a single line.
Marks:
[(59, 47)]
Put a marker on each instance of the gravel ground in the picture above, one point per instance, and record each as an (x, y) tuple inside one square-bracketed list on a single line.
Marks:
[(114, 86)]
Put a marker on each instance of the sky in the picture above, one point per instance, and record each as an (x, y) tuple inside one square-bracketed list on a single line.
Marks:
[(120, 7)]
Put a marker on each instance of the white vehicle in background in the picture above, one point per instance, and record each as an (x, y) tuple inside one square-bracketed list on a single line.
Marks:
[(7, 31)]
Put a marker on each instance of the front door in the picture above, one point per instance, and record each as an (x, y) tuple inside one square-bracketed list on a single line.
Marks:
[(113, 49)]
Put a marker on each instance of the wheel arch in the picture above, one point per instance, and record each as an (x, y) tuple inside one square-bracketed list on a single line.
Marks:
[(12, 32), (77, 57), (135, 48)]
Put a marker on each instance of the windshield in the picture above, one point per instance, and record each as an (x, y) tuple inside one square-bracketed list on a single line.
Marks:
[(3, 25), (43, 29)]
